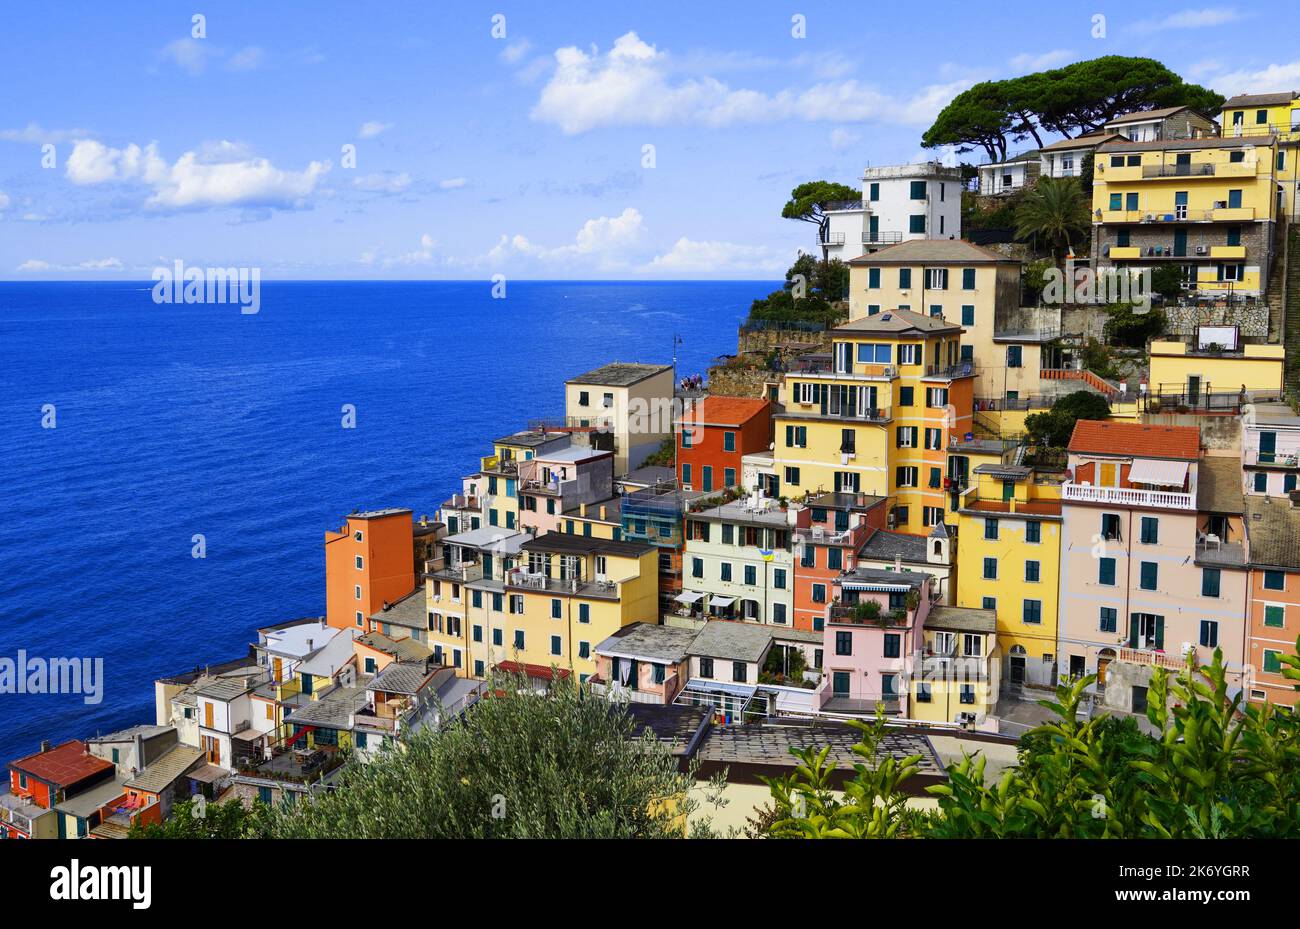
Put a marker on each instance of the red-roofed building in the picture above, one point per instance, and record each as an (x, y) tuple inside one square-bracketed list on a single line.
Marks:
[(40, 782), (712, 436), (1148, 571)]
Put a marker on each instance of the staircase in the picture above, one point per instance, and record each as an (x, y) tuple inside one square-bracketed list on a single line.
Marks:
[(1087, 380), (1275, 288)]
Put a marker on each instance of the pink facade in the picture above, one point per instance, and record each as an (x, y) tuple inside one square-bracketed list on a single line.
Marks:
[(554, 483)]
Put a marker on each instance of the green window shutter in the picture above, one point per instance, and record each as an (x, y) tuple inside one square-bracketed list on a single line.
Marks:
[(1275, 616), (967, 278), (1160, 632)]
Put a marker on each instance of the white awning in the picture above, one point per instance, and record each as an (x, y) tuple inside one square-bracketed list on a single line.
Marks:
[(722, 601), (1160, 473), (687, 597)]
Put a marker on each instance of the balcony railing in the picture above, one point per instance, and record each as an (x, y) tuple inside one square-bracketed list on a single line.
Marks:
[(881, 238), (820, 536), (1219, 214), (1154, 658), (1203, 169), (830, 238), (960, 369), (1128, 496), (528, 581)]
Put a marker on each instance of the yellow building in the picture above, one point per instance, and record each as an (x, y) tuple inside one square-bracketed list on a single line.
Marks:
[(1008, 560), (1248, 116), (1208, 205), (879, 418), (499, 472), (966, 285), (633, 402), (1182, 374), (957, 675), (602, 519), (569, 593)]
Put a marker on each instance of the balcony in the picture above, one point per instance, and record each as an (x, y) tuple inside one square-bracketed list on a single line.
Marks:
[(463, 572), (524, 580), (1220, 214), (1154, 658), (1128, 496), (847, 614), (1277, 460), (1227, 251), (881, 238), (498, 465), (866, 415), (1121, 252), (830, 238), (950, 372)]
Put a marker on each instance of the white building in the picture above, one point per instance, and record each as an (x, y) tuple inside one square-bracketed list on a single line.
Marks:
[(899, 203), (739, 563), (1065, 158), (1006, 177)]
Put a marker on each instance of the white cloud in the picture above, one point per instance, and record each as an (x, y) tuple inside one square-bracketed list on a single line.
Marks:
[(606, 242), (1274, 78), (213, 179), (371, 129), (246, 59), (841, 140), (1028, 61), (191, 55), (688, 256), (635, 84), (452, 183), (1189, 19), (38, 266), (36, 135), (385, 182), (515, 51), (4, 201), (422, 255)]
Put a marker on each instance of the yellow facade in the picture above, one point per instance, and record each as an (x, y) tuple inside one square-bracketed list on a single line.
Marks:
[(1024, 590), (1176, 369), (1207, 204), (957, 673), (1276, 114), (880, 427)]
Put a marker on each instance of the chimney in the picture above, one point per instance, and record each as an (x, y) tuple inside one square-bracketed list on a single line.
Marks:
[(310, 644), (45, 746), (139, 751), (898, 563)]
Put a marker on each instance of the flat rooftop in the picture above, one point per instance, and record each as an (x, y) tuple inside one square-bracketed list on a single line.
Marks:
[(619, 374)]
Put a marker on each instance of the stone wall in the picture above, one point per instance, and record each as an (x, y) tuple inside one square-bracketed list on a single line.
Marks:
[(739, 380), (1183, 319)]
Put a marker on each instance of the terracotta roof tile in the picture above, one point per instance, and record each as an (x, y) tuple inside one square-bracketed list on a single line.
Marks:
[(62, 765), (1104, 437), (716, 410)]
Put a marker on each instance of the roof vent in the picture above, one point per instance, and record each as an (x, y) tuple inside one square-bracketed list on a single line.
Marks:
[(885, 317)]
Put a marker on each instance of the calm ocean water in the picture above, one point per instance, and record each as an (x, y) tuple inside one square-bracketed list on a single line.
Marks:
[(174, 420)]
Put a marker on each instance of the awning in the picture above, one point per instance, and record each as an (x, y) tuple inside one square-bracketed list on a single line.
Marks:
[(208, 774), (722, 601), (687, 597), (877, 586), (1160, 473)]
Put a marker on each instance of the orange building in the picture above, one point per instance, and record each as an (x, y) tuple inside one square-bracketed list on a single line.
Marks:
[(830, 530), (370, 561), (1273, 623), (713, 434)]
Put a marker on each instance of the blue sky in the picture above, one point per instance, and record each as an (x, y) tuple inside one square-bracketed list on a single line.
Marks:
[(523, 154)]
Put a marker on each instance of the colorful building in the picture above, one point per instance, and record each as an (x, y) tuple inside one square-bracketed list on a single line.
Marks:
[(1008, 562), (1142, 585), (499, 473), (739, 563), (934, 555), (714, 434), (368, 562), (643, 663), (553, 484), (1248, 116), (1206, 205), (569, 593), (828, 532), (879, 418), (970, 287), (633, 401), (1272, 530), (1221, 377), (872, 628), (40, 783), (956, 670)]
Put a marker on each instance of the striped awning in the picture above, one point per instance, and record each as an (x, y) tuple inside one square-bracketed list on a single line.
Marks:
[(1159, 473)]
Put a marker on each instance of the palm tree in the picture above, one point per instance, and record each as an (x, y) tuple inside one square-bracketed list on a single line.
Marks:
[(1056, 211)]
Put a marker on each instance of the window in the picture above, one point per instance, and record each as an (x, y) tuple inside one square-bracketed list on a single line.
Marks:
[(1150, 575), (843, 643), (873, 278), (808, 558), (361, 563), (557, 608), (686, 438), (936, 397), (1272, 661), (1261, 482), (990, 569), (584, 613), (796, 436), (936, 279), (906, 436), (1274, 616), (556, 648), (1117, 201), (706, 667), (739, 671), (990, 528), (697, 567), (778, 613), (967, 315), (1033, 612), (1150, 530), (906, 475), (361, 619), (989, 603), (967, 278), (1209, 633), (751, 575), (1033, 531), (686, 474), (893, 646), (931, 515), (728, 441), (584, 398), (792, 476), (1130, 201), (1109, 526), (818, 593), (519, 639), (478, 633), (934, 439), (1274, 580), (923, 693), (497, 637), (778, 578), (1031, 571), (873, 191), (916, 224), (1210, 582), (967, 693), (917, 190), (1109, 621), (479, 670), (584, 649), (909, 354), (1106, 571), (1261, 117), (905, 396), (1014, 353)]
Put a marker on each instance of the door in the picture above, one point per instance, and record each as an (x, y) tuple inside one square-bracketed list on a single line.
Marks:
[(1076, 667), (1180, 243), (875, 223), (487, 566), (1139, 699), (1183, 163), (840, 684), (1267, 446), (1102, 664), (1008, 491), (207, 715), (1109, 473), (1017, 669), (1193, 389), (278, 669), (1180, 204), (889, 686)]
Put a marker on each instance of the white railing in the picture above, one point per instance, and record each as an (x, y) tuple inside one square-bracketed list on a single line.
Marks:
[(1128, 496)]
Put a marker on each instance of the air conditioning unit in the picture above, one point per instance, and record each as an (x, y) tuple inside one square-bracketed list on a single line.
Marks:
[(1200, 249), (1148, 218)]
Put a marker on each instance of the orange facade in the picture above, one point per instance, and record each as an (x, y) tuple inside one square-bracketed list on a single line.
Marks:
[(369, 562), (831, 530), (1274, 624), (714, 434)]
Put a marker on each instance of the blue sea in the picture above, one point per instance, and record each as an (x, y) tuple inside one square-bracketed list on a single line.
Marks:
[(177, 420)]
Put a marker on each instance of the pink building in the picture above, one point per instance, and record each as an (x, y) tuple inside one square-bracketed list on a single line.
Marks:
[(555, 482), (872, 629)]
